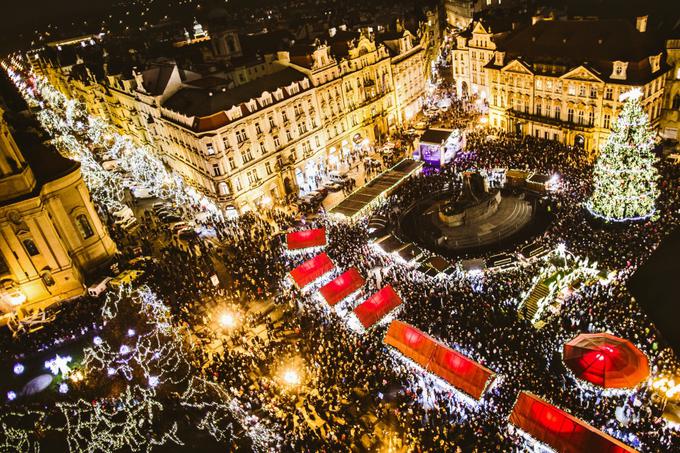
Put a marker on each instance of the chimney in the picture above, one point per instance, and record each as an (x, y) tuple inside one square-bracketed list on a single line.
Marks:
[(641, 24), (343, 27), (332, 31), (283, 57), (499, 58)]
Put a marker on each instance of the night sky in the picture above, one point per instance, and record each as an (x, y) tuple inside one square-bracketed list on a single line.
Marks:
[(20, 18)]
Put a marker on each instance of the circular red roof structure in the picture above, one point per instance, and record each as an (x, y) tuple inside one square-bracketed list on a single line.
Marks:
[(605, 360)]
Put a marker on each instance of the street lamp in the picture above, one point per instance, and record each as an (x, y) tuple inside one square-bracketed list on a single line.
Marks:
[(227, 320), (291, 377)]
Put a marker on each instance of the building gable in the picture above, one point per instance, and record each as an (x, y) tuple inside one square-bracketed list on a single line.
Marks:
[(581, 73), (517, 66)]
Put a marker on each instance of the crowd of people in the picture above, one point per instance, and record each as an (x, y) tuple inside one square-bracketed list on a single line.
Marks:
[(356, 393)]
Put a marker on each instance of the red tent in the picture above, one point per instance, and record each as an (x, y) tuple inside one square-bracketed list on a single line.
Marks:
[(411, 342), (342, 286), (606, 360), (560, 430), (306, 238), (459, 371), (311, 269), (377, 306)]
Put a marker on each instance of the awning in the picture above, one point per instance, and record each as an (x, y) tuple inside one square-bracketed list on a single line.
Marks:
[(606, 360), (377, 306), (342, 286), (311, 269), (461, 372), (560, 430), (305, 239)]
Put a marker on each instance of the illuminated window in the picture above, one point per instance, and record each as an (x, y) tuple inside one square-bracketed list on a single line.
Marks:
[(30, 247)]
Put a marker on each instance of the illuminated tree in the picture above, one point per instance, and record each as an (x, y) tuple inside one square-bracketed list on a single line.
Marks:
[(625, 177)]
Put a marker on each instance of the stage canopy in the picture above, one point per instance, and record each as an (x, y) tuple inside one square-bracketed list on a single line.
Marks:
[(605, 360), (464, 374), (560, 430), (311, 269), (305, 239), (377, 306), (342, 286)]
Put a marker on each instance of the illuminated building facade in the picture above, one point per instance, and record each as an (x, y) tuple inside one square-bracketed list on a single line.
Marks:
[(562, 79), (251, 136), (50, 233)]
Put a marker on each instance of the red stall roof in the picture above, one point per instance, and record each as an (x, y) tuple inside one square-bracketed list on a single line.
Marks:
[(606, 360), (459, 371), (306, 238), (342, 286), (560, 430), (311, 269), (377, 306)]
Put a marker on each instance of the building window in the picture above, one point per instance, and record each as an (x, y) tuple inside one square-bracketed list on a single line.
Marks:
[(216, 170), (571, 90), (252, 177), (591, 118), (30, 247), (538, 109), (593, 92), (223, 188), (209, 148), (271, 123), (258, 129), (232, 164), (558, 112), (570, 115), (247, 156), (606, 121), (277, 142), (608, 93), (263, 150), (84, 226), (581, 90), (580, 117), (676, 102), (539, 84), (237, 184), (241, 136)]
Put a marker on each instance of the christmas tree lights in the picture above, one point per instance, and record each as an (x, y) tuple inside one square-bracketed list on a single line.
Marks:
[(625, 177)]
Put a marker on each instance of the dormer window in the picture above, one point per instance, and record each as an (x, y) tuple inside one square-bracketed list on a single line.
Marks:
[(655, 62), (619, 70)]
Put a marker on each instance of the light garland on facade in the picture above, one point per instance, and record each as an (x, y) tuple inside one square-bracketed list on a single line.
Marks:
[(80, 136)]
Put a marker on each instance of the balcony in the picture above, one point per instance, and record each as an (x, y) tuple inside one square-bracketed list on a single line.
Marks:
[(556, 122)]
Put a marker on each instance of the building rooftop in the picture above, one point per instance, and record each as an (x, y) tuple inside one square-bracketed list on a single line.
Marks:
[(595, 44), (194, 100), (436, 135)]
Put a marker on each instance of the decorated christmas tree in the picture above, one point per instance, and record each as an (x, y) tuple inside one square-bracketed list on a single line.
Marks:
[(625, 177)]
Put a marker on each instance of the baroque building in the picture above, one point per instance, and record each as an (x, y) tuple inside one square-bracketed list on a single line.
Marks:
[(670, 119), (562, 79), (253, 135), (50, 233)]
